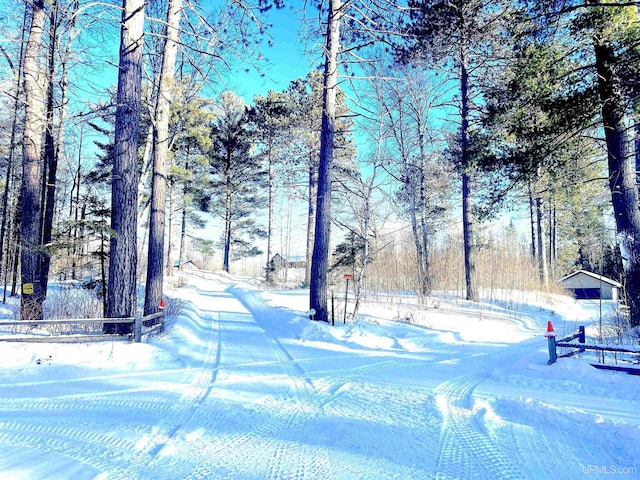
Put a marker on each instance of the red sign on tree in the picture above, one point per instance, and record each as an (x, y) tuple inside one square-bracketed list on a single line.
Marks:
[(348, 276)]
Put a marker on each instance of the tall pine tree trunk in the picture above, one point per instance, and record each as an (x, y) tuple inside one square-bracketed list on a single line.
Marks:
[(622, 181), (53, 142), (467, 214), (311, 219), (320, 258), (155, 259), (73, 237), (31, 213), (50, 160), (121, 301)]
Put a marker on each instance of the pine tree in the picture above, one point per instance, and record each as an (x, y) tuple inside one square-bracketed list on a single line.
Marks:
[(320, 257), (123, 261), (457, 34), (31, 216), (601, 40), (188, 182), (238, 180), (270, 119), (161, 146)]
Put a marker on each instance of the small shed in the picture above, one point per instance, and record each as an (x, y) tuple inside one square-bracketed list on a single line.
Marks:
[(589, 285)]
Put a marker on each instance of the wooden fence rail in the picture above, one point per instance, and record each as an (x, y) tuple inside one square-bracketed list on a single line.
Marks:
[(581, 346), (141, 326)]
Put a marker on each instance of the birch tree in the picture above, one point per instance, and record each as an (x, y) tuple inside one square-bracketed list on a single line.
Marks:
[(365, 209), (410, 104)]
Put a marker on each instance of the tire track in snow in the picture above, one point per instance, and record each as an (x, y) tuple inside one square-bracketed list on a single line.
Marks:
[(44, 425), (178, 413), (466, 450), (291, 460), (101, 451), (100, 444), (70, 404), (556, 442), (298, 461), (285, 459), (121, 448), (224, 457), (89, 435), (144, 374), (294, 461), (266, 441)]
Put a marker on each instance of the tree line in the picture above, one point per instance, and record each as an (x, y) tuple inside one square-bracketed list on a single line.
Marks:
[(509, 103)]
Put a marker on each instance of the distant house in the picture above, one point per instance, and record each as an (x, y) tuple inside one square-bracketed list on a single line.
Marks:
[(278, 262), (588, 285), (186, 265)]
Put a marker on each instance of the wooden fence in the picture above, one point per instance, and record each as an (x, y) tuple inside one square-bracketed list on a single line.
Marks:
[(139, 329), (581, 346)]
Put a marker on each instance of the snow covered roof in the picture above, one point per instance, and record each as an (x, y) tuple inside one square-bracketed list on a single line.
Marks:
[(592, 275)]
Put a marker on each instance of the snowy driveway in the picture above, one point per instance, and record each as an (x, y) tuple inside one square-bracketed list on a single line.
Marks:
[(241, 388)]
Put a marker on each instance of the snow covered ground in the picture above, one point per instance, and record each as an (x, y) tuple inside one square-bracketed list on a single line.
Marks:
[(243, 386)]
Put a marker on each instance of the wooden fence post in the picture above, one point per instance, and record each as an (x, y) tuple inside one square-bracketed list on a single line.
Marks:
[(137, 327), (553, 355), (551, 338)]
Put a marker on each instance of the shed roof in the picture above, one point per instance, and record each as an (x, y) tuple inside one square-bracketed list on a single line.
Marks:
[(593, 275)]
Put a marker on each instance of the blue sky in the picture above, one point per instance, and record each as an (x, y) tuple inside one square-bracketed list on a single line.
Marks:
[(286, 55), (286, 58)]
